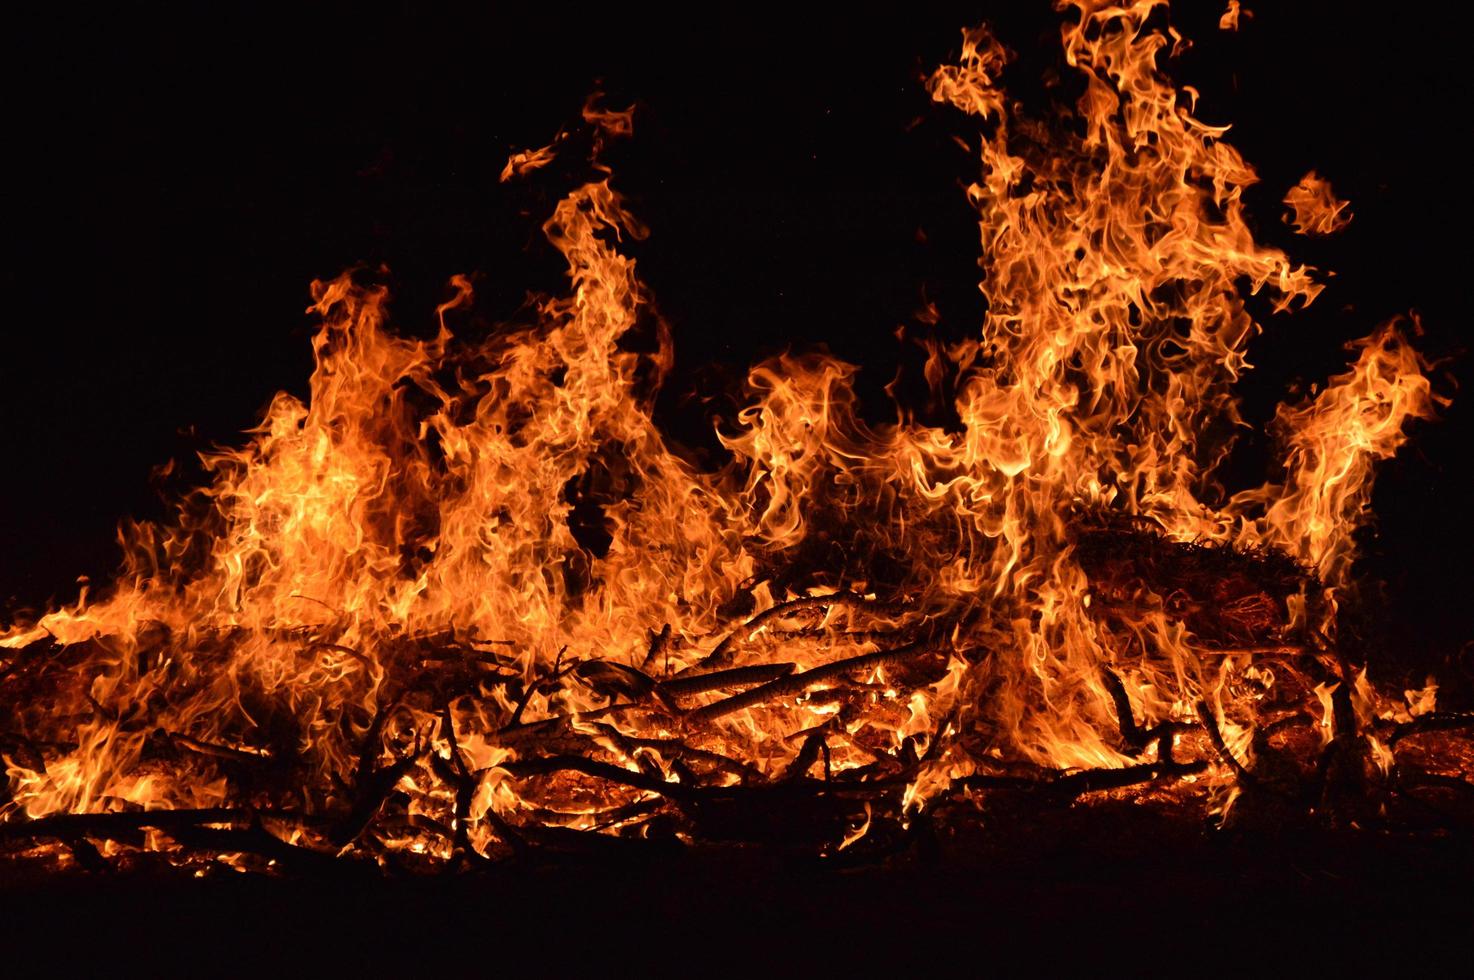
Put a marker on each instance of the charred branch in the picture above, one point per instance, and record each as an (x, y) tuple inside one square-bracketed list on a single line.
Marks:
[(1137, 739), (219, 830), (212, 750), (688, 685), (659, 643), (1067, 785), (798, 683), (600, 770), (1433, 721), (1215, 738), (726, 648)]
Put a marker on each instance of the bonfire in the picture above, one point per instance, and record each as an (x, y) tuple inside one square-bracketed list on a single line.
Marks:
[(468, 603)]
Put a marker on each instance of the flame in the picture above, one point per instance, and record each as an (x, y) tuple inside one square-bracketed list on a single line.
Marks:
[(1233, 15), (1331, 444), (452, 542), (1314, 207)]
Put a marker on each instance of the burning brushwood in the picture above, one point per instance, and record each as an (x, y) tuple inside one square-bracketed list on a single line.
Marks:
[(467, 602)]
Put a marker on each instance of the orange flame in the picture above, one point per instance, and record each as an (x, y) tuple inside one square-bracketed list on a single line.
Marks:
[(919, 592), (1314, 208), (1233, 15)]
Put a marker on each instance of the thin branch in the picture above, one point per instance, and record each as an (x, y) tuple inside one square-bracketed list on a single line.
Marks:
[(515, 734), (600, 770), (721, 654), (1137, 738), (1266, 650), (718, 680), (1068, 785), (63, 826), (1433, 721), (552, 676), (798, 683), (674, 748), (1210, 724), (216, 751), (659, 642)]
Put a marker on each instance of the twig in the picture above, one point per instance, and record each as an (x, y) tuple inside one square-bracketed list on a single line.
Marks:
[(340, 648), (1092, 780), (462, 779), (851, 636), (1137, 738), (622, 814), (1210, 724), (601, 770), (1267, 650), (1433, 721), (109, 825), (252, 839), (1441, 781), (217, 830), (676, 749), (658, 643), (1068, 785), (808, 754), (798, 683), (373, 784), (533, 688), (722, 652), (211, 749), (513, 734), (717, 680)]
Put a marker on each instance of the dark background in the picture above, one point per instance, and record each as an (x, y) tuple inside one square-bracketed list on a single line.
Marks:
[(176, 178)]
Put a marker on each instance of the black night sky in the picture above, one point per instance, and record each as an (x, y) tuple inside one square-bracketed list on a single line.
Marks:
[(178, 177)]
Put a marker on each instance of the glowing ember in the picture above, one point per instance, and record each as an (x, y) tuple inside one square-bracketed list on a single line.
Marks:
[(468, 597)]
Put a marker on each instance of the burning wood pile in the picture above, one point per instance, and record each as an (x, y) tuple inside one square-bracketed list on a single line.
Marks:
[(468, 602)]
